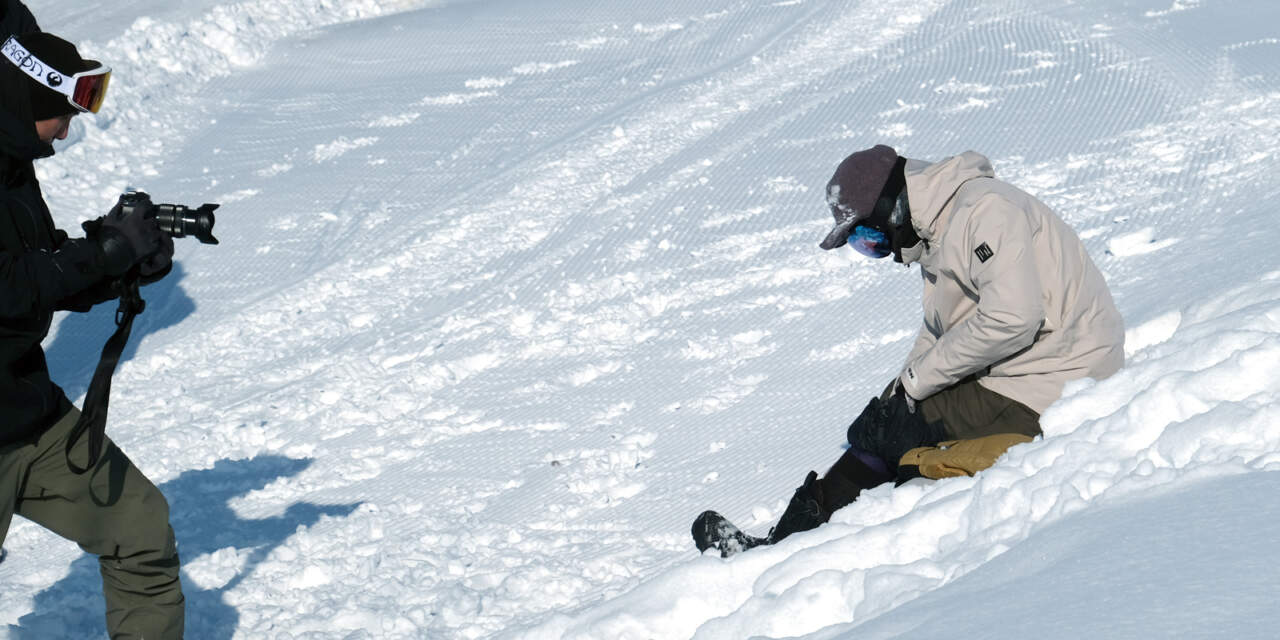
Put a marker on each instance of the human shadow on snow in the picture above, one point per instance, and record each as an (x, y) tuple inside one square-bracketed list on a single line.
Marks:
[(204, 522), (74, 352)]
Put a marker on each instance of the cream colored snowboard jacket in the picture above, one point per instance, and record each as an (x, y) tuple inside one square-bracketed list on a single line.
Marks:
[(1010, 294)]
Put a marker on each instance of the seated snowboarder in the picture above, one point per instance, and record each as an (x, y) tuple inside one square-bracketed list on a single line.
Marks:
[(1013, 309)]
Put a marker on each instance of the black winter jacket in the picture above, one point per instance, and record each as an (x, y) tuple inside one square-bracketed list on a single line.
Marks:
[(41, 270)]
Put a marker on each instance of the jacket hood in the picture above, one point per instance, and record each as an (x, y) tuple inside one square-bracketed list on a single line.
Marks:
[(931, 187), (18, 139)]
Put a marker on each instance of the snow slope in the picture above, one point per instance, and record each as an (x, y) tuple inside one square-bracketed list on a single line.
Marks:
[(508, 292)]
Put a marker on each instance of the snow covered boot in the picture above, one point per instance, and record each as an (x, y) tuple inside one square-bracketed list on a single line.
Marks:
[(806, 511), (711, 529)]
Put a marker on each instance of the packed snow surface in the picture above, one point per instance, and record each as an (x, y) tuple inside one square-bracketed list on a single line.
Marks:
[(508, 292)]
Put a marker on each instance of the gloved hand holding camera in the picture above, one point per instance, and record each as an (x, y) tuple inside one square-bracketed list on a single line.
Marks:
[(131, 236), (138, 233)]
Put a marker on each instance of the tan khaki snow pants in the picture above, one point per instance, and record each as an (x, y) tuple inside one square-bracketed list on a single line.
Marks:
[(112, 512)]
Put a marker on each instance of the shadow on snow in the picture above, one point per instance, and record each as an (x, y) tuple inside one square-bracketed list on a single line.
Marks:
[(204, 522), (74, 352)]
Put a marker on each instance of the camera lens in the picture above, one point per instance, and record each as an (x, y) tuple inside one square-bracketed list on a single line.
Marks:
[(179, 221)]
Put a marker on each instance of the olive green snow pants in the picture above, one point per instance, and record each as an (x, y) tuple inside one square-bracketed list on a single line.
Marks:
[(980, 425), (113, 512), (968, 410)]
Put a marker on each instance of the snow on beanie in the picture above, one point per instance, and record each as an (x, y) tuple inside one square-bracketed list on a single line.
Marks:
[(63, 57), (855, 189)]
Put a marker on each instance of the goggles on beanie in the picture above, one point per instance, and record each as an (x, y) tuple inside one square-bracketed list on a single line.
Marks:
[(85, 90), (869, 241)]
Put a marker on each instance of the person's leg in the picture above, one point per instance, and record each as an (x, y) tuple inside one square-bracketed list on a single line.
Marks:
[(817, 498), (13, 463), (980, 426), (115, 513), (969, 410), (854, 472), (878, 439), (889, 427)]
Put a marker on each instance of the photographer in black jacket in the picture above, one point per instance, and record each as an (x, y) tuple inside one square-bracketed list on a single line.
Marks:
[(112, 510)]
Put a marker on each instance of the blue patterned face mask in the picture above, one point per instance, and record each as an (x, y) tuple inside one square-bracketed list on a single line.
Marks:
[(870, 242)]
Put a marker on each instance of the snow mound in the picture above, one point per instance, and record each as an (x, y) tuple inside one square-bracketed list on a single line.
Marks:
[(1200, 404)]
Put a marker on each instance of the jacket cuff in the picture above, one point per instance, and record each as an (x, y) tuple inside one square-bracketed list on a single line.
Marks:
[(911, 383)]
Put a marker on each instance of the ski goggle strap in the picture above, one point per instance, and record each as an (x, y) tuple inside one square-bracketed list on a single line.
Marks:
[(870, 242), (84, 90)]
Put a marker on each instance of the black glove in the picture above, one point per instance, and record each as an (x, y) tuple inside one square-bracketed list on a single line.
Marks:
[(159, 264), (892, 427), (128, 240)]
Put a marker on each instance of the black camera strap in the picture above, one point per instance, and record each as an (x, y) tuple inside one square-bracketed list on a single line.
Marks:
[(93, 419)]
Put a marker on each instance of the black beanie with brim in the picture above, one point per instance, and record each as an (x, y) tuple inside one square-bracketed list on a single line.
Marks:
[(855, 189), (63, 57)]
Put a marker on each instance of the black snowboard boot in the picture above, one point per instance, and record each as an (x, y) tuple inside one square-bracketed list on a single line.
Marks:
[(811, 505), (713, 530), (806, 511)]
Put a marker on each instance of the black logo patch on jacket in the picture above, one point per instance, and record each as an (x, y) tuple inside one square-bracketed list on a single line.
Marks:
[(984, 252)]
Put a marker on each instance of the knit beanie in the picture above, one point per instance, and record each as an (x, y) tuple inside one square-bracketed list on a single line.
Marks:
[(855, 189), (65, 61)]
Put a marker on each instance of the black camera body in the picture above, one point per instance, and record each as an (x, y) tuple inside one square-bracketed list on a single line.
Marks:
[(176, 220)]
